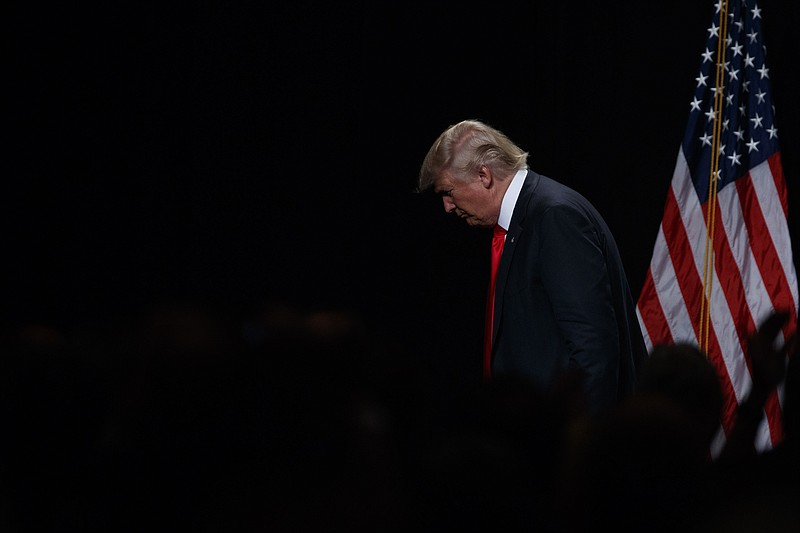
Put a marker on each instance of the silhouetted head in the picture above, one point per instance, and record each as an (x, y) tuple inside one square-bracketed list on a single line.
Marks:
[(683, 373)]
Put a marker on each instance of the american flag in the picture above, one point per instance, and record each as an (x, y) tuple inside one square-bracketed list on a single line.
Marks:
[(722, 261)]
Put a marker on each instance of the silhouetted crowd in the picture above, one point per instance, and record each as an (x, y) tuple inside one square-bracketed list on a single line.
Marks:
[(298, 420)]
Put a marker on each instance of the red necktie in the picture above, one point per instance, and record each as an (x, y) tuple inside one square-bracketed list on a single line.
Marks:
[(498, 240)]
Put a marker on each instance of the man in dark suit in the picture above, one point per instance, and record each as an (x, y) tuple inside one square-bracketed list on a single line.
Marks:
[(562, 302)]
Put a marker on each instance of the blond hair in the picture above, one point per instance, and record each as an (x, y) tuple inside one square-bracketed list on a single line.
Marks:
[(462, 148)]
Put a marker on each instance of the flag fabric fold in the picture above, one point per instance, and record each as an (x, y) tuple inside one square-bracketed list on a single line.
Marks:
[(722, 260)]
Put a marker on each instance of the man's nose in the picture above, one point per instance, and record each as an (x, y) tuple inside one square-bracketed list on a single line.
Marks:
[(448, 204)]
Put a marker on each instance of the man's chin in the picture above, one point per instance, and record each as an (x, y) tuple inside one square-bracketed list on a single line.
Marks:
[(477, 223)]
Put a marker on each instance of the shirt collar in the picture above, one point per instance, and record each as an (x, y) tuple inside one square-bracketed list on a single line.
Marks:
[(510, 199)]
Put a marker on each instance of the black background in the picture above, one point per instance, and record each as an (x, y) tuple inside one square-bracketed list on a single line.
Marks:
[(239, 153)]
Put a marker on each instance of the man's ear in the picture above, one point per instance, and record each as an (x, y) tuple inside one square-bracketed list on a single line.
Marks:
[(485, 175)]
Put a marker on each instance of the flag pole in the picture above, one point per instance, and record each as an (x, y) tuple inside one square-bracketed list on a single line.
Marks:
[(713, 179)]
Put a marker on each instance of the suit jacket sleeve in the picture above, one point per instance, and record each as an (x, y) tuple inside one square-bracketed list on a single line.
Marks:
[(576, 278)]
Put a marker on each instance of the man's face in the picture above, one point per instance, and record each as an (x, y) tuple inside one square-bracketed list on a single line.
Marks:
[(470, 201)]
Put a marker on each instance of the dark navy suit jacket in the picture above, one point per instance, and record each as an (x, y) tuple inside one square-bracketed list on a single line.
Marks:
[(562, 300)]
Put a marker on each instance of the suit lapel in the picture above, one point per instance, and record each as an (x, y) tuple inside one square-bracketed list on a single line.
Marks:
[(515, 230)]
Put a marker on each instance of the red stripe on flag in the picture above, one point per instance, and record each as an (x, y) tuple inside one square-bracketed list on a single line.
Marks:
[(729, 402), (776, 169), (682, 258), (652, 315), (730, 280)]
